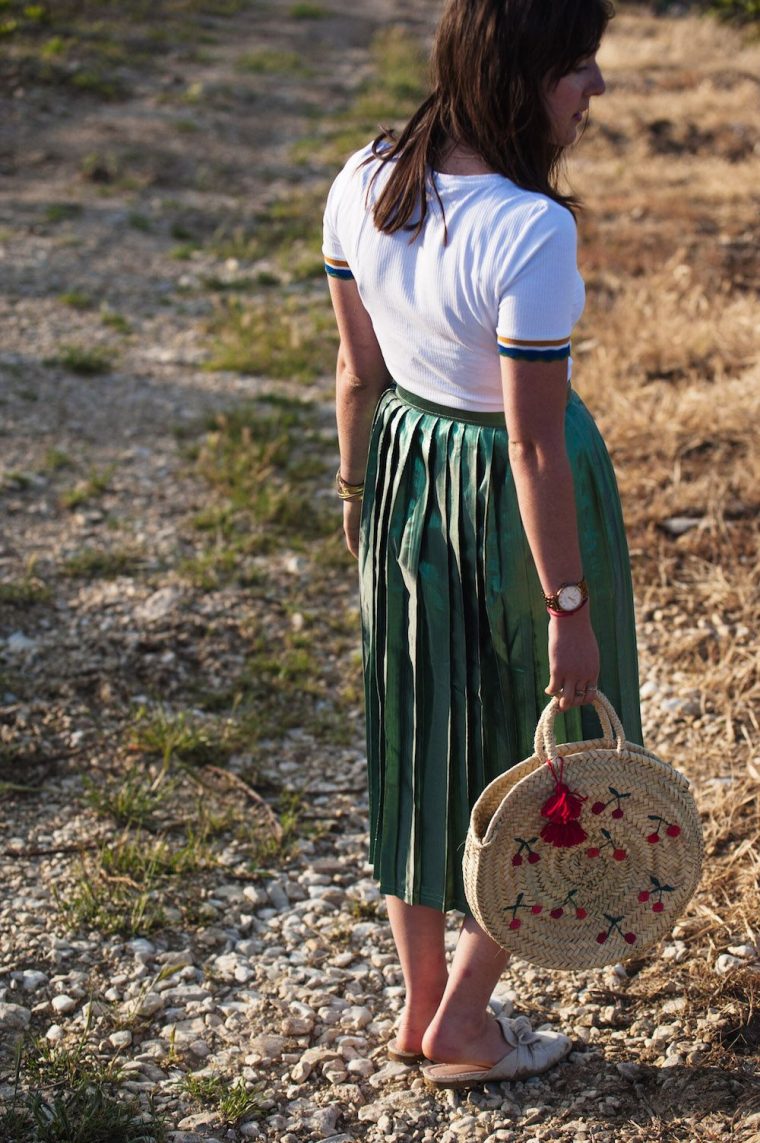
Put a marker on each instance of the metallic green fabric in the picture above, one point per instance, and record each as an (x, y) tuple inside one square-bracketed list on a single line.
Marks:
[(455, 629)]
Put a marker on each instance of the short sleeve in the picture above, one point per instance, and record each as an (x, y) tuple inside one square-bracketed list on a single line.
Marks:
[(541, 294), (336, 264)]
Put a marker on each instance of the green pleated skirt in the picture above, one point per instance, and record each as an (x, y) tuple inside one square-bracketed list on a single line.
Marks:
[(454, 628)]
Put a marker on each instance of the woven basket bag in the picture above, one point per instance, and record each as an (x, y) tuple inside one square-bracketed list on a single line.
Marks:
[(585, 853)]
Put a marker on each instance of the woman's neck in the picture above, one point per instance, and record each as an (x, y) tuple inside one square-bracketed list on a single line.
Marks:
[(459, 159)]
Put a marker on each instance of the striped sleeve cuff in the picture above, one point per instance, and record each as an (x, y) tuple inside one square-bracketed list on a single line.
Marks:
[(520, 350), (337, 268)]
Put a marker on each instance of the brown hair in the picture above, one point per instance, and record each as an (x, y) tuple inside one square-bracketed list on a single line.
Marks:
[(490, 62)]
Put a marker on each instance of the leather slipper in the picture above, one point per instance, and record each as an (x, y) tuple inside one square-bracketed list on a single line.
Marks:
[(402, 1057), (531, 1053)]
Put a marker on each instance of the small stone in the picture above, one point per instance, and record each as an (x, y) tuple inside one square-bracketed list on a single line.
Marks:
[(62, 1004), (250, 1131), (360, 1067), (324, 1121), (743, 951), (31, 981), (148, 1004), (14, 1016), (54, 1033), (356, 1017), (726, 962), (120, 1039), (199, 1048)]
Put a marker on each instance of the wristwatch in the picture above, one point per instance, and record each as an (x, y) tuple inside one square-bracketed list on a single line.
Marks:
[(568, 598)]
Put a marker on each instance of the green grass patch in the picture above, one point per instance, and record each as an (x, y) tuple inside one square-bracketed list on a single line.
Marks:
[(179, 737), (102, 563), (287, 228), (24, 592), (96, 484), (233, 1101), (62, 211), (289, 340), (66, 1095), (307, 11), (115, 321), (269, 61), (76, 299), (86, 361)]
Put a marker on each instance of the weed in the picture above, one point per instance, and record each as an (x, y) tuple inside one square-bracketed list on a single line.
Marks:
[(115, 321), (56, 460), (24, 592), (268, 61), (139, 221), (134, 800), (232, 1101), (102, 563), (97, 483), (291, 341), (305, 10), (77, 299), (86, 361), (62, 211), (182, 738), (65, 1095)]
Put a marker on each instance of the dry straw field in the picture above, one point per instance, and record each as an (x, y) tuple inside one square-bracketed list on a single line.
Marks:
[(180, 729)]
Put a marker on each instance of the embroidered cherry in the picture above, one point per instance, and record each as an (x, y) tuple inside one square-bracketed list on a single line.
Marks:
[(557, 913), (536, 909), (569, 901), (619, 854), (615, 925), (581, 914), (520, 903), (594, 851), (671, 829), (617, 797), (659, 889), (526, 843)]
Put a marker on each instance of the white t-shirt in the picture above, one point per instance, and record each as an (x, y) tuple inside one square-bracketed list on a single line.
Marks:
[(506, 281)]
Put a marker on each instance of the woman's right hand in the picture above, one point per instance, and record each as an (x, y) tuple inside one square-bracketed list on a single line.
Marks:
[(352, 512), (573, 659)]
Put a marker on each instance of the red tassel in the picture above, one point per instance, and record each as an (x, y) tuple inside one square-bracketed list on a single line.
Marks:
[(562, 809), (564, 836)]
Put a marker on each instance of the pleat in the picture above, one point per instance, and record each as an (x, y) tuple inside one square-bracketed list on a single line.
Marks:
[(455, 630)]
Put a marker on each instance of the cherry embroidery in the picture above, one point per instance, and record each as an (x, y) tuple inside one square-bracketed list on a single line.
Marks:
[(516, 922), (602, 938), (618, 854), (559, 910), (658, 890), (617, 797), (671, 829), (532, 856)]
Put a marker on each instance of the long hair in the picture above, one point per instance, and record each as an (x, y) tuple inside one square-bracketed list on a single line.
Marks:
[(490, 64)]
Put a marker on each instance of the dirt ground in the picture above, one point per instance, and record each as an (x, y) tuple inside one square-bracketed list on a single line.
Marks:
[(121, 215)]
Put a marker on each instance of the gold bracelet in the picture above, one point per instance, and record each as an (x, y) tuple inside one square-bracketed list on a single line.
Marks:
[(348, 491)]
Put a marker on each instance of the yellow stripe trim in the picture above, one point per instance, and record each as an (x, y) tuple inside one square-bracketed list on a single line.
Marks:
[(337, 262), (520, 341)]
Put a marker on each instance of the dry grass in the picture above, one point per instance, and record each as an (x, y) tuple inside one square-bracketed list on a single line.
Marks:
[(668, 357)]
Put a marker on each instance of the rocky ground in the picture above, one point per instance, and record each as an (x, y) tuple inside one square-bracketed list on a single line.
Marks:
[(164, 934)]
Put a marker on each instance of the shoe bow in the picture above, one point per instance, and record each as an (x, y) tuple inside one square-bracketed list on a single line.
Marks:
[(518, 1032)]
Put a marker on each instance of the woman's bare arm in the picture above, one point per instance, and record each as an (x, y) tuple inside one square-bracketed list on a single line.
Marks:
[(535, 396), (361, 377)]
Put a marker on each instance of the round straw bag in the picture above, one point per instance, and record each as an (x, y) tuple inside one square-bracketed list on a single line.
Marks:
[(585, 853)]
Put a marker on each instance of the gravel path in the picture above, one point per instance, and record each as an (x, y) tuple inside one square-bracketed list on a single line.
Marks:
[(288, 980)]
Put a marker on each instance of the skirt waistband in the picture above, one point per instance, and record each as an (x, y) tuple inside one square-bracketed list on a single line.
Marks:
[(469, 416)]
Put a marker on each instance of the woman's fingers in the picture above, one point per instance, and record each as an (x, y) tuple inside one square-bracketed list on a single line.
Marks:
[(571, 693)]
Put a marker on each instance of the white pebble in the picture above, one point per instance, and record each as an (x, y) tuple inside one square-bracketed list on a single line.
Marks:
[(726, 962), (54, 1033), (120, 1039), (14, 1016), (62, 1005)]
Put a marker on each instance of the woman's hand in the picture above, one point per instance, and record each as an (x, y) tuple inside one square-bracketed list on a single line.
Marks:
[(352, 511), (573, 659)]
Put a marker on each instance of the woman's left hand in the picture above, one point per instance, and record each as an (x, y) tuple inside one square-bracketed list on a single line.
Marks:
[(352, 511)]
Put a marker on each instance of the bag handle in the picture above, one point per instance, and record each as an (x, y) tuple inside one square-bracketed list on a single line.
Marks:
[(545, 743)]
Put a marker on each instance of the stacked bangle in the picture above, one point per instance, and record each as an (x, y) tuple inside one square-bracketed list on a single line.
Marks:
[(348, 491)]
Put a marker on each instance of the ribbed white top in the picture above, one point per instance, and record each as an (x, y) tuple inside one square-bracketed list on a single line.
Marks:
[(505, 281)]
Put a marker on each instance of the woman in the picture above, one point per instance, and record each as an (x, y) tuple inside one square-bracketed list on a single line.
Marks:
[(478, 495)]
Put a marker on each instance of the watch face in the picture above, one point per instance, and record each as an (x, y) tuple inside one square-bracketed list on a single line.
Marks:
[(570, 597)]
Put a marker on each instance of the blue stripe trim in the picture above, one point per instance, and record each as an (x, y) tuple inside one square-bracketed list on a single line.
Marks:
[(338, 272), (519, 354)]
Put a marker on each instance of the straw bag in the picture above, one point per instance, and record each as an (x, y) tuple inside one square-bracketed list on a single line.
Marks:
[(585, 853)]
